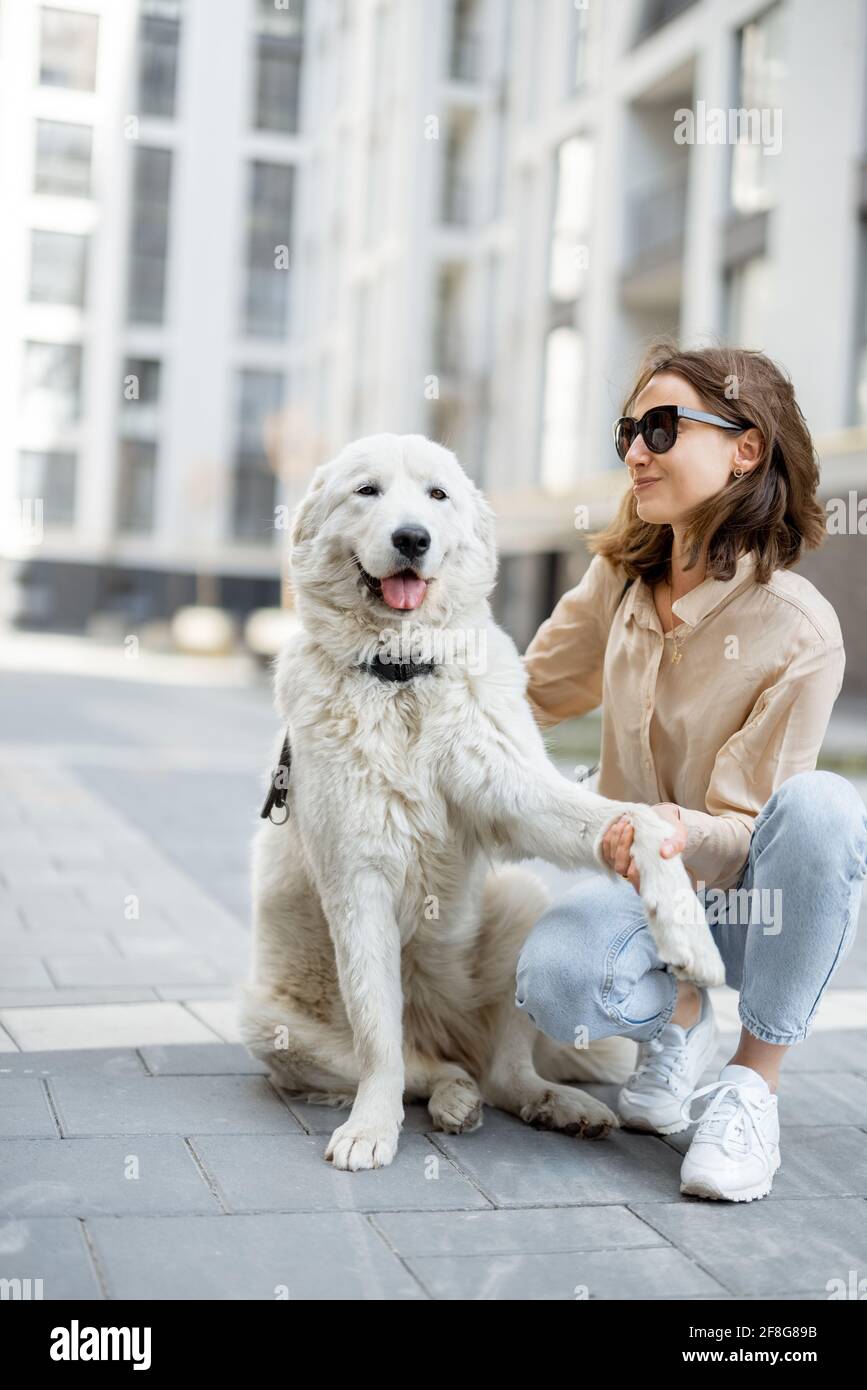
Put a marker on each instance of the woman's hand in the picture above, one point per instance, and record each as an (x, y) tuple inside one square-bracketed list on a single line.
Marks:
[(617, 843)]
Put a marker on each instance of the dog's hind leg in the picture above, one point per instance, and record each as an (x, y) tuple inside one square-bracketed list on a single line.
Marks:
[(304, 1057), (513, 902)]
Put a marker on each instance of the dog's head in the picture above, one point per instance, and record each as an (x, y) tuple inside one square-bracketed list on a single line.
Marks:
[(392, 529)]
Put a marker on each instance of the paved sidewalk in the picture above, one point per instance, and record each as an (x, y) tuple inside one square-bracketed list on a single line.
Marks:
[(144, 1154)]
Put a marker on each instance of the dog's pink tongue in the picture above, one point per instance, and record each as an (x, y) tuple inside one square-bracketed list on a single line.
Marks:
[(403, 590)]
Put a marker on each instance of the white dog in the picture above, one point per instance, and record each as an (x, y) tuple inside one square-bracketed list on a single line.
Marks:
[(385, 940)]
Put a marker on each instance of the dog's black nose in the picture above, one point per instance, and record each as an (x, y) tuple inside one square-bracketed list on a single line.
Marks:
[(411, 541)]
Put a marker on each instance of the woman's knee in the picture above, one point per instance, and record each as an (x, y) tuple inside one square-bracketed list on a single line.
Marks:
[(564, 978), (820, 812)]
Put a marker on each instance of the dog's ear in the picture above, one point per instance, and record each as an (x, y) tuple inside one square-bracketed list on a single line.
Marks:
[(305, 519)]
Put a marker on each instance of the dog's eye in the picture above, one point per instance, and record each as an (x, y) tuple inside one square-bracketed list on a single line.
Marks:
[(367, 490), (438, 495)]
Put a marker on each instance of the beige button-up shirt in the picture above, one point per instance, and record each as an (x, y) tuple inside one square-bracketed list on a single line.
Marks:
[(744, 707)]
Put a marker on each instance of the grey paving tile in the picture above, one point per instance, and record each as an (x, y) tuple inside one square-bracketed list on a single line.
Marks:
[(92, 1061), (59, 941), (822, 1098), (89, 971), (24, 972), (518, 1166), (34, 998), (92, 1177), (11, 919), (633, 1274), (837, 1049), (24, 1109), (222, 989), (767, 1247), (320, 1256), (291, 1174), (817, 1161), (323, 1119), (205, 1059), (170, 1105), (51, 1250), (529, 1231)]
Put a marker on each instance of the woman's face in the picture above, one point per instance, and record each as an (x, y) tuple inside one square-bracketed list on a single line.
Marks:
[(699, 464)]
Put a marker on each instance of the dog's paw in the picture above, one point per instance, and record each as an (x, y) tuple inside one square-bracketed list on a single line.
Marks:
[(698, 961), (677, 922), (455, 1105), (571, 1111), (687, 946), (356, 1145)]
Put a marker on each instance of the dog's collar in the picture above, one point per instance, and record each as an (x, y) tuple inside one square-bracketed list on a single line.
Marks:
[(397, 670), (385, 671)]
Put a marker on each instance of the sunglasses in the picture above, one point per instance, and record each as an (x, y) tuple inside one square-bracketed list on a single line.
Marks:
[(658, 426)]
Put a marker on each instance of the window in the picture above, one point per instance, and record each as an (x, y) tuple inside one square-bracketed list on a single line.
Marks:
[(136, 485), (861, 358), (269, 217), (63, 155), (748, 303), (260, 398), (149, 237), (57, 267), (457, 199), (579, 26), (51, 393), (159, 33), (141, 387), (279, 42), (561, 408), (51, 477), (568, 256), (67, 55), (465, 59), (139, 428), (755, 158), (449, 339)]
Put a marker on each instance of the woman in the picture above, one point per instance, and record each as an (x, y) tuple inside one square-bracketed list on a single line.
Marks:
[(717, 669)]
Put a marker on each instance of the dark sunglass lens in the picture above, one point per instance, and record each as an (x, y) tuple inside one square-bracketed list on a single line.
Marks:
[(659, 430), (624, 433)]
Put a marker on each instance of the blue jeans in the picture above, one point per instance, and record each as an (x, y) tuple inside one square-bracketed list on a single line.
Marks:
[(590, 962)]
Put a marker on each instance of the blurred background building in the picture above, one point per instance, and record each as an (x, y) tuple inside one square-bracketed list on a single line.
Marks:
[(238, 233)]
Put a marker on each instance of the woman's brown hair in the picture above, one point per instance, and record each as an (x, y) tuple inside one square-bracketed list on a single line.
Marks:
[(771, 510)]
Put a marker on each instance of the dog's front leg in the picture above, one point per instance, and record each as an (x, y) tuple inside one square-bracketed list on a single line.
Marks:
[(367, 950), (527, 810)]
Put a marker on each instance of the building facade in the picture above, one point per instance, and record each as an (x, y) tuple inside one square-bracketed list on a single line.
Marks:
[(239, 233)]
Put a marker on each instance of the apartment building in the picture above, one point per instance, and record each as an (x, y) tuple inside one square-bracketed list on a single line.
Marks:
[(241, 232)]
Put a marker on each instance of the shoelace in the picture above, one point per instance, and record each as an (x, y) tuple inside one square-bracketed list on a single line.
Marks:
[(728, 1092), (657, 1064)]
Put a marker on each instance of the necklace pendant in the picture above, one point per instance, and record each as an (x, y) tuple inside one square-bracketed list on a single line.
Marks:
[(675, 657)]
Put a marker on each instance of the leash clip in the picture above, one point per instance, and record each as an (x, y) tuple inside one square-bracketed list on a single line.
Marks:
[(277, 794)]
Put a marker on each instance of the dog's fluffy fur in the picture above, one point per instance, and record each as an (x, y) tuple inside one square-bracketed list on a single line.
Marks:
[(386, 936)]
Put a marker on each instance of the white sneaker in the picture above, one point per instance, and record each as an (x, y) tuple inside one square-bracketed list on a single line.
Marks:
[(668, 1069), (735, 1151)]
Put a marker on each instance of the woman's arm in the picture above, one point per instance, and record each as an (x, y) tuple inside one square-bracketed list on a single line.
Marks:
[(564, 660), (782, 736)]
